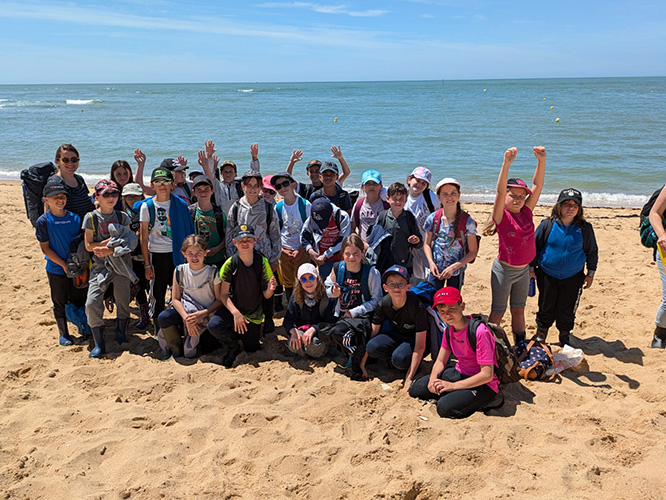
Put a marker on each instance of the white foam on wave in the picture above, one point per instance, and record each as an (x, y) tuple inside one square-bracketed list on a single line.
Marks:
[(82, 101), (245, 90), (589, 199)]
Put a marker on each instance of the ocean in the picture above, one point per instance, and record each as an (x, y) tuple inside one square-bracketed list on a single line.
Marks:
[(604, 136)]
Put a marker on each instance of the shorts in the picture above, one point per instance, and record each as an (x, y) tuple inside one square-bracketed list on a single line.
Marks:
[(508, 284)]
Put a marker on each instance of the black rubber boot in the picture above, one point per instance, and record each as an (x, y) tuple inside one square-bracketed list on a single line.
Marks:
[(659, 340), (144, 322), (174, 340), (64, 338), (565, 338), (230, 357), (121, 328), (100, 348)]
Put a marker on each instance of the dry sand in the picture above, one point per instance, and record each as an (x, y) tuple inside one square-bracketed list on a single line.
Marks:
[(132, 426)]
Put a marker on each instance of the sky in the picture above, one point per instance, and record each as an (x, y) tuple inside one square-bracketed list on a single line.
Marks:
[(163, 41)]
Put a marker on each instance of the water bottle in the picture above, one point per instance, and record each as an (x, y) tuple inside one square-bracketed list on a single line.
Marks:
[(532, 290)]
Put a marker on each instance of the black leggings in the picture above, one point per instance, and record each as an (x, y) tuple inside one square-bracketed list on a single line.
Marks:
[(64, 291), (221, 326), (455, 404), (558, 300), (144, 286), (163, 277)]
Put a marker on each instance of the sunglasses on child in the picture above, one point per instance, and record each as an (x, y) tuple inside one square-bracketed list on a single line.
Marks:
[(111, 194), (305, 279), (163, 182), (67, 160), (280, 185)]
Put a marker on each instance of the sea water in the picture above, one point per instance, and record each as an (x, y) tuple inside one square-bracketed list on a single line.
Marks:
[(609, 141)]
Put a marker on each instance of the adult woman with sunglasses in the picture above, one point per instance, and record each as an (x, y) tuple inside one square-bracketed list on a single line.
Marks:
[(308, 307), (78, 196)]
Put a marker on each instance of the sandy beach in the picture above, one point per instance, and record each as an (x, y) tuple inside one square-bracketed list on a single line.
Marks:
[(275, 426)]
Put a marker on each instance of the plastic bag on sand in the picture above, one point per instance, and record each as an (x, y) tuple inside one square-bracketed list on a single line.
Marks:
[(568, 358)]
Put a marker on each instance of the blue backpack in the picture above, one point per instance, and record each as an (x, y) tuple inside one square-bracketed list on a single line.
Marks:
[(301, 209), (365, 273)]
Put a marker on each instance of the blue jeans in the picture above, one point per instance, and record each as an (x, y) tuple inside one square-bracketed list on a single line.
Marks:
[(384, 346), (661, 312)]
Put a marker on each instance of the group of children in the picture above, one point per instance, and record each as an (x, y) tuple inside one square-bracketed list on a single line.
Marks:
[(227, 250)]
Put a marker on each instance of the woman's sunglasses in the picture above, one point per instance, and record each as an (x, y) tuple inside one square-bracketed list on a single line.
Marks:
[(67, 160), (305, 279)]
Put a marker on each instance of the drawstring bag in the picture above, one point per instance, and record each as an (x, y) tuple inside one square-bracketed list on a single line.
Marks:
[(534, 359)]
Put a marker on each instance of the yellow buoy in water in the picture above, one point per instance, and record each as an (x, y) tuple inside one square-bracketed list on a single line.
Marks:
[(443, 100), (81, 111), (557, 120), (485, 90), (544, 98), (335, 120), (552, 107)]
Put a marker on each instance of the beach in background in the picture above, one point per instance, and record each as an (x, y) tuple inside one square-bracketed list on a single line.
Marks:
[(609, 141)]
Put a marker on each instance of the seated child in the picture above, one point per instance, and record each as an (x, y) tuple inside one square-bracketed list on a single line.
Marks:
[(308, 307), (471, 384), (405, 340), (55, 231), (195, 296), (109, 238), (247, 279)]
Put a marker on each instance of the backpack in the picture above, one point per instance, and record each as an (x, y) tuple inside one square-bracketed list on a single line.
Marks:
[(233, 213), (257, 264), (219, 218), (428, 200), (356, 213), (648, 236), (534, 358), (212, 270), (365, 274), (462, 226), (301, 209), (34, 179), (507, 363)]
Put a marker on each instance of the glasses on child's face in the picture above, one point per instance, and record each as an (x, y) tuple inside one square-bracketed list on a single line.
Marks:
[(305, 279), (165, 182), (280, 185), (111, 194), (396, 286), (67, 160), (267, 192)]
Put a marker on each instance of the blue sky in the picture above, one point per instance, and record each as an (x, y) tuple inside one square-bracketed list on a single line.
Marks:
[(120, 41)]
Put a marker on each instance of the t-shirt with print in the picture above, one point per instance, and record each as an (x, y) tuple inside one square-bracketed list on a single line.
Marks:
[(516, 237), (330, 236), (100, 226), (248, 297), (407, 321), (368, 215), (205, 225), (292, 223), (59, 232), (469, 362), (159, 238), (443, 252), (351, 291), (419, 208), (196, 284), (182, 192)]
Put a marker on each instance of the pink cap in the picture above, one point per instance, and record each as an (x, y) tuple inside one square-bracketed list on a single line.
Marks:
[(422, 173), (514, 182), (267, 183)]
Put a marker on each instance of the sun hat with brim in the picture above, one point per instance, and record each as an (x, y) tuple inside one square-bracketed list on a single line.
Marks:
[(445, 181), (447, 295), (514, 182), (132, 189)]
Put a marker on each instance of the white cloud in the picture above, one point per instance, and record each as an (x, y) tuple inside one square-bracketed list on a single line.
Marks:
[(325, 9)]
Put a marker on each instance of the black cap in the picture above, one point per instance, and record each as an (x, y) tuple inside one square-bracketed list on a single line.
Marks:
[(55, 185), (329, 165), (286, 175), (161, 173), (571, 194), (244, 231), (395, 270), (201, 179), (253, 175)]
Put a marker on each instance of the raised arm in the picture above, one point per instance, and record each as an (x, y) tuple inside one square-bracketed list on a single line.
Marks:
[(539, 177), (296, 156), (337, 154), (140, 159), (500, 196), (254, 164)]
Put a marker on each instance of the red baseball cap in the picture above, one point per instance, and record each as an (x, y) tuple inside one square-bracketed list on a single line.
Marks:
[(447, 295)]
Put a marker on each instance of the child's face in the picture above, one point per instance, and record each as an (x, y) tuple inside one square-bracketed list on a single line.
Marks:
[(396, 286), (448, 194), (309, 282), (121, 176), (179, 177), (107, 200), (314, 174), (569, 209), (195, 256), (268, 195), (252, 187), (162, 186), (352, 255), (371, 187), (131, 199), (515, 199), (228, 174), (416, 186), (397, 201), (451, 313), (245, 243), (328, 178), (59, 201), (283, 185), (203, 192)]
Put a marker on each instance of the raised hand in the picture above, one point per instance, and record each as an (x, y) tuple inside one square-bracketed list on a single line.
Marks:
[(182, 160), (139, 157), (336, 152), (210, 148), (296, 156), (510, 155), (254, 151), (540, 152)]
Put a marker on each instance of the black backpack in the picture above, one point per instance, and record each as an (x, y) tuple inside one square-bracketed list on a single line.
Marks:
[(647, 234), (34, 179)]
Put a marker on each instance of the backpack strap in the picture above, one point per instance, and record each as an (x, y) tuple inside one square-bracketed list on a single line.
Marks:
[(233, 213), (323, 305), (239, 189), (212, 271), (302, 208), (187, 189), (437, 221), (473, 325), (150, 203), (356, 214), (340, 274), (269, 216), (428, 200), (381, 218), (179, 275), (278, 209), (94, 226), (365, 287)]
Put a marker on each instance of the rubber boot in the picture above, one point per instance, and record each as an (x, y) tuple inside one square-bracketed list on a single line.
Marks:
[(518, 337), (659, 341), (232, 354), (174, 340), (565, 338), (144, 322), (98, 337), (121, 328), (64, 338), (541, 334)]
